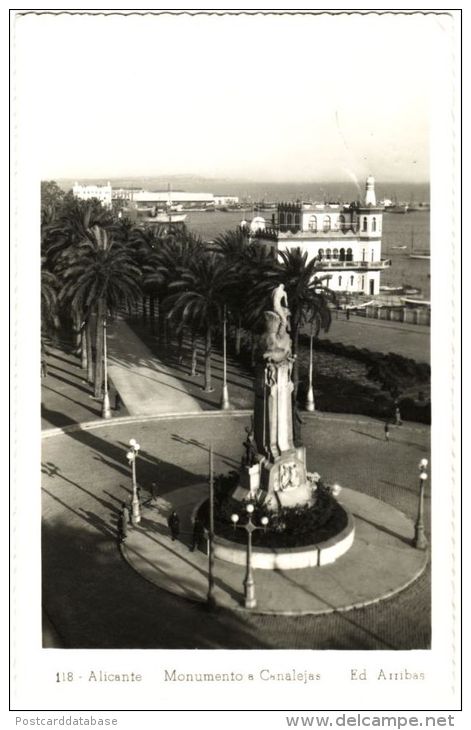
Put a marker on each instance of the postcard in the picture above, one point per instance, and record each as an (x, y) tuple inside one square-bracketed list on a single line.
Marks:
[(236, 367)]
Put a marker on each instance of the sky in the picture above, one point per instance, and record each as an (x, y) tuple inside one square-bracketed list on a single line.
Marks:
[(260, 97)]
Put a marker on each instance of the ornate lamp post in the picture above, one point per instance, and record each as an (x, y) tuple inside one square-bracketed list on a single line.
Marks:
[(105, 409), (131, 457), (225, 403), (249, 584), (310, 392), (420, 541)]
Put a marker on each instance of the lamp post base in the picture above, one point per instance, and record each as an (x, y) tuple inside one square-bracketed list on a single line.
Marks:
[(250, 600), (310, 400), (225, 402), (136, 512), (106, 409), (420, 541)]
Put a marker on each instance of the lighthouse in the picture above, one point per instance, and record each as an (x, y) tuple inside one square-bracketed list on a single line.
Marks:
[(370, 195)]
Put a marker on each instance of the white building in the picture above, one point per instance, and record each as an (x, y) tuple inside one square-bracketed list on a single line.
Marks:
[(103, 193), (225, 199), (345, 238)]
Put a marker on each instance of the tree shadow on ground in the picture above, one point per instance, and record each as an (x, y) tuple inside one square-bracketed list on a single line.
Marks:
[(112, 607)]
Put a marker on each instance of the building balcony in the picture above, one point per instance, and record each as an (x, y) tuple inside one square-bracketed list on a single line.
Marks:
[(337, 264)]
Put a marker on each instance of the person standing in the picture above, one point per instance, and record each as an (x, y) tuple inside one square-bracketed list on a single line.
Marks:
[(386, 431), (123, 523), (397, 415), (174, 525)]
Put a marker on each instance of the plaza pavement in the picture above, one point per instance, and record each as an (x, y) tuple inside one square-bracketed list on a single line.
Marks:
[(380, 563), (85, 479)]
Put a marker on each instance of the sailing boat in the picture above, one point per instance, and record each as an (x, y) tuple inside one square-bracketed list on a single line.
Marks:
[(168, 216)]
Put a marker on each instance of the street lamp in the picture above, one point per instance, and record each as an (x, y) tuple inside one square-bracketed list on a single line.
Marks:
[(131, 457), (420, 541), (249, 584), (310, 392), (105, 409), (225, 403)]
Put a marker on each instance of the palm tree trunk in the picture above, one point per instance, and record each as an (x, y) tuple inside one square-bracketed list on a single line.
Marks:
[(253, 350), (238, 338), (89, 353), (295, 336), (207, 362), (99, 349), (144, 313), (83, 349), (77, 336), (151, 313)]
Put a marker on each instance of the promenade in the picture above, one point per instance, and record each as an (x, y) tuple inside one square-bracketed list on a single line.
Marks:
[(86, 477)]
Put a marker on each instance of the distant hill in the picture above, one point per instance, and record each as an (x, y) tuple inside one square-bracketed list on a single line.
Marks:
[(270, 191)]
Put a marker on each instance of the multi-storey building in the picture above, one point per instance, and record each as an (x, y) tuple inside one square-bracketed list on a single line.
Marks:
[(346, 239), (103, 193)]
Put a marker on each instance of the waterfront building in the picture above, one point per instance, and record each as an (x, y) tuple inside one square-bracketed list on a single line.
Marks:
[(103, 193), (346, 239)]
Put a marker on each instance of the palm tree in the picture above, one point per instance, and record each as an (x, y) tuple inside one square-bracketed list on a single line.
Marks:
[(197, 300), (165, 260), (99, 275), (308, 297)]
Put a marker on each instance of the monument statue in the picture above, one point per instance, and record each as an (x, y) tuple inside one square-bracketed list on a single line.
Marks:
[(274, 465)]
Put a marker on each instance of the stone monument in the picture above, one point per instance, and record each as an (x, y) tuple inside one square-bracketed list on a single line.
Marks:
[(274, 469)]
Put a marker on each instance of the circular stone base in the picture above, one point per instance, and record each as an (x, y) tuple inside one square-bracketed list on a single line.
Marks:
[(308, 556), (380, 563)]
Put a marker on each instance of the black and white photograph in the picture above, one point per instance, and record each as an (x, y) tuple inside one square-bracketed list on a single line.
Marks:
[(241, 249)]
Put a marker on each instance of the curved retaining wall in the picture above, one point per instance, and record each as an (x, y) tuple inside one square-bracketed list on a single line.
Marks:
[(310, 556)]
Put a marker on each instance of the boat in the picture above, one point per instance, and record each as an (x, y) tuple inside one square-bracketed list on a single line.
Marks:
[(397, 209), (408, 300), (424, 255), (420, 255)]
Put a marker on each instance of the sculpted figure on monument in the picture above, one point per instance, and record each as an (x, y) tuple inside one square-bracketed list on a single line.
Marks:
[(275, 342)]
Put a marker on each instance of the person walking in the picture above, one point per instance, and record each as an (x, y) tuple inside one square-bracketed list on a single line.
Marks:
[(174, 525), (117, 401), (347, 312), (386, 431), (198, 534)]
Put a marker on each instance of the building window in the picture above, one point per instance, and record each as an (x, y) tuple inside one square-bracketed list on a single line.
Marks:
[(365, 224), (363, 254), (328, 253), (312, 223), (342, 222), (351, 280), (372, 254), (340, 281), (282, 220), (373, 225), (335, 253), (363, 283), (326, 224), (320, 253), (289, 219), (296, 220), (342, 254), (349, 254)]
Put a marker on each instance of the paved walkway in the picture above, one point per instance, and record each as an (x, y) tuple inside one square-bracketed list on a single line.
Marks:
[(86, 478), (145, 385), (381, 336), (380, 563)]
